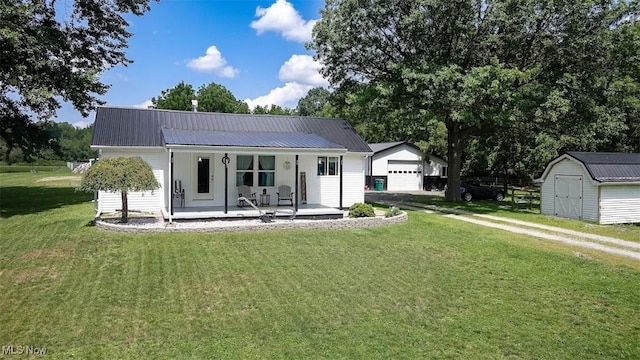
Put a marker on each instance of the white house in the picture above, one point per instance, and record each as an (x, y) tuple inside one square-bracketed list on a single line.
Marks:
[(210, 154), (598, 187), (402, 167)]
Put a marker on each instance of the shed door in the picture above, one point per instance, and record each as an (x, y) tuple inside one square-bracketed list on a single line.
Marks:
[(404, 175), (568, 197)]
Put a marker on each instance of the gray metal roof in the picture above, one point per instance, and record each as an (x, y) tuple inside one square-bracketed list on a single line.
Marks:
[(115, 126), (378, 147), (610, 167), (247, 139)]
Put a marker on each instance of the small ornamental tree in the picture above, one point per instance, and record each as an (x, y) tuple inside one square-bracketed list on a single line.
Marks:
[(120, 174)]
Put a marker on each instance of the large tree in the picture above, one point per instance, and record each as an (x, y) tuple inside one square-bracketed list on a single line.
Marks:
[(120, 175), (211, 98), (314, 103), (473, 65), (53, 51)]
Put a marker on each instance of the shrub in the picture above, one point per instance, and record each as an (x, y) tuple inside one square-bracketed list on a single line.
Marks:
[(393, 211), (361, 210)]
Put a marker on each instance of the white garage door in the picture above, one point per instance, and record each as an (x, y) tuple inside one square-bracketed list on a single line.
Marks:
[(404, 175)]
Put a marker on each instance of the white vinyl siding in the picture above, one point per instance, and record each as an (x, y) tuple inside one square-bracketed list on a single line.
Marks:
[(569, 167), (436, 167), (353, 181), (605, 203), (619, 204), (138, 200)]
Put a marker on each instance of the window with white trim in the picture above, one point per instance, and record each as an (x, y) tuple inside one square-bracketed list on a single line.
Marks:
[(327, 165), (247, 173)]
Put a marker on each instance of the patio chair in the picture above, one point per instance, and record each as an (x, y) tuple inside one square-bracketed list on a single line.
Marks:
[(245, 191), (178, 191), (285, 194)]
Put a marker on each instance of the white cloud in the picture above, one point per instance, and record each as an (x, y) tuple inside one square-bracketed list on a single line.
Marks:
[(285, 96), (281, 17), (82, 124), (302, 69), (144, 105), (213, 62)]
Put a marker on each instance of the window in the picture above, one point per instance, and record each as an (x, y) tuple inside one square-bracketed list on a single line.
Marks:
[(445, 171), (246, 171), (327, 165), (267, 170)]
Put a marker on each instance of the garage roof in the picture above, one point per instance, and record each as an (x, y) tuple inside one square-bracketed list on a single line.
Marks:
[(610, 167), (378, 147)]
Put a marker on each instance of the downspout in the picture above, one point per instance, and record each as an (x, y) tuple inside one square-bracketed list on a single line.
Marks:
[(296, 191), (171, 186), (341, 183)]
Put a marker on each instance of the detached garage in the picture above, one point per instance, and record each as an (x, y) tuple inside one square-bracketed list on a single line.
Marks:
[(401, 166), (598, 187)]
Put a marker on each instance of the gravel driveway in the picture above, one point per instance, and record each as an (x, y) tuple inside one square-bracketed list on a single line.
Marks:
[(604, 244)]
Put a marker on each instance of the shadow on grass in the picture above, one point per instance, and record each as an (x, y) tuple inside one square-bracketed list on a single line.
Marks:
[(476, 206), (22, 200)]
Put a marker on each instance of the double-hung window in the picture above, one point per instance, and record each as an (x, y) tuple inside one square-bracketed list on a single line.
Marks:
[(247, 173), (327, 165)]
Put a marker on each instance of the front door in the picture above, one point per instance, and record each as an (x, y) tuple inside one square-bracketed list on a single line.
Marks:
[(203, 177), (568, 196)]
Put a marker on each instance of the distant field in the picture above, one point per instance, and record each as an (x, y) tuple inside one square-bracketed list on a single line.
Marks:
[(27, 168), (428, 288)]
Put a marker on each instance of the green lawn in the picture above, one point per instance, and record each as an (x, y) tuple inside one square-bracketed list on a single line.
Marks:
[(429, 288), (505, 208)]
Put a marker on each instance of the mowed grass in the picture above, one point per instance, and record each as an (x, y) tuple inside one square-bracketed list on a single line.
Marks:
[(429, 288), (505, 208)]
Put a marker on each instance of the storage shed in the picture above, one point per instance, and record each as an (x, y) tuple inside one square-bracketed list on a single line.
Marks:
[(598, 187)]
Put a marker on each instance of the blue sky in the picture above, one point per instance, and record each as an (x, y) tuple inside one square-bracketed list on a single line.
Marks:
[(253, 48)]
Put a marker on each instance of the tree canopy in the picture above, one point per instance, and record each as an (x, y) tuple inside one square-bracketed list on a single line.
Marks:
[(211, 98), (49, 56), (487, 70), (315, 103), (119, 175)]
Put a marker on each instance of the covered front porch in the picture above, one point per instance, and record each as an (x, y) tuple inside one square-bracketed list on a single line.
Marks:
[(205, 182), (305, 211)]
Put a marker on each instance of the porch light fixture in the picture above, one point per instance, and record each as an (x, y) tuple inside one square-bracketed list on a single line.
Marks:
[(287, 165), (199, 158)]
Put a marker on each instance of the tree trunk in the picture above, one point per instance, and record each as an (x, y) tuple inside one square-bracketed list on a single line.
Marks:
[(505, 173), (125, 208), (7, 155), (454, 154)]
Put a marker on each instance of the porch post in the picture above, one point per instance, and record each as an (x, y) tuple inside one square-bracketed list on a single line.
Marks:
[(341, 183), (297, 190), (171, 185), (225, 161)]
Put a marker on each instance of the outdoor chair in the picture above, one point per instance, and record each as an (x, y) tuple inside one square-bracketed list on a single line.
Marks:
[(285, 194), (245, 191), (178, 191)]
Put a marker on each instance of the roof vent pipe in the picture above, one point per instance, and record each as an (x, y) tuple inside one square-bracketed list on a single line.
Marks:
[(194, 105)]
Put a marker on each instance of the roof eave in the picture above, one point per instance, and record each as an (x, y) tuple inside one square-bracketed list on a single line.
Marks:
[(253, 149)]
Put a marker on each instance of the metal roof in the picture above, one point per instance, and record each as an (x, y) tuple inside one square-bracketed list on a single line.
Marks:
[(247, 139), (610, 167), (116, 126), (378, 147)]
